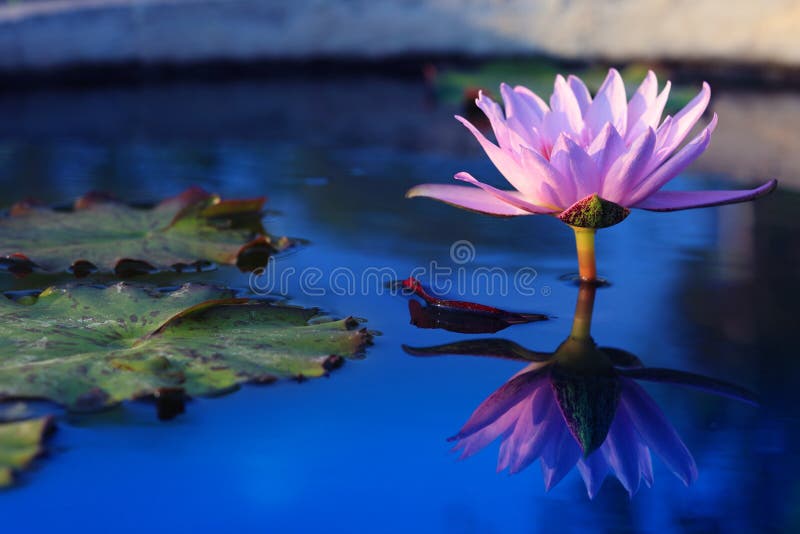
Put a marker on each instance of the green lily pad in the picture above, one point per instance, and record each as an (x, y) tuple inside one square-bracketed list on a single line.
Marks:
[(20, 443), (188, 230), (88, 347)]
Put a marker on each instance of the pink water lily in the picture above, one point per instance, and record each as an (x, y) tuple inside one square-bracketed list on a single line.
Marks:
[(525, 414), (587, 160)]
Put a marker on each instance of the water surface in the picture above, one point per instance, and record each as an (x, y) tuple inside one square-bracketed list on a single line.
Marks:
[(710, 291)]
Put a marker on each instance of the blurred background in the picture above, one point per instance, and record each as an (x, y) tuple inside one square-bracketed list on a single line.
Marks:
[(749, 51)]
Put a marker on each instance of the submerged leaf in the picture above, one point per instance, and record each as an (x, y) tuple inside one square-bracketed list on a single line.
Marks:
[(20, 443), (189, 230), (464, 322), (460, 316), (88, 347)]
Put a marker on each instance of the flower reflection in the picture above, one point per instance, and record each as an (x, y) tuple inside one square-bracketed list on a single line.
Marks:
[(579, 405), (604, 424)]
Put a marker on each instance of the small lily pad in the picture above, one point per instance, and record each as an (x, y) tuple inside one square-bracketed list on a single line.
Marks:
[(190, 230), (88, 347), (20, 444)]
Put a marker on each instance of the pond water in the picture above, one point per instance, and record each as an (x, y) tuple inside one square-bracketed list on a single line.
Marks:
[(709, 291)]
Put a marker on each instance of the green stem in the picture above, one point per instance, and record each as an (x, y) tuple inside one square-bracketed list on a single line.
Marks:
[(584, 242), (582, 321)]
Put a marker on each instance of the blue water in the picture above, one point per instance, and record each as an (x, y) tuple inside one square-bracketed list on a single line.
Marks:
[(709, 291)]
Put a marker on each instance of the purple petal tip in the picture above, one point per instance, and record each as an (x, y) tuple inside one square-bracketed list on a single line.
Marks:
[(683, 200)]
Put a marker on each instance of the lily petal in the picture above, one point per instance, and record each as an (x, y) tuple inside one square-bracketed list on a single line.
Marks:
[(494, 113), (629, 168), (559, 160), (510, 197), (594, 470), (652, 116), (684, 200), (547, 177), (470, 198), (573, 162), (563, 100), (547, 424), (550, 180), (606, 148), (645, 464), (554, 125), (672, 167), (657, 432), (622, 450), (685, 119), (582, 95), (510, 394), (508, 455), (559, 456), (501, 428), (522, 117), (536, 428), (532, 100), (505, 163), (609, 105), (641, 101)]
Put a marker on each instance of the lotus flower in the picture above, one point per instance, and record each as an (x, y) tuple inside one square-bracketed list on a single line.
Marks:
[(579, 405), (533, 417), (587, 160)]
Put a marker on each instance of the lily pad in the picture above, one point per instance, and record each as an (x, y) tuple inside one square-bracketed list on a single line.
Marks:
[(186, 231), (87, 347), (20, 444)]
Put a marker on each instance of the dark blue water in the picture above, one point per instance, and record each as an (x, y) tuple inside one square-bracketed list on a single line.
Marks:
[(709, 291)]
